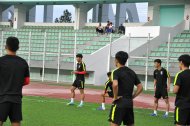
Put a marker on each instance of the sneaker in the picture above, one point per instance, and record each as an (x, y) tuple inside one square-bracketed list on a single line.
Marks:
[(70, 103), (153, 114), (165, 116), (100, 108), (80, 105)]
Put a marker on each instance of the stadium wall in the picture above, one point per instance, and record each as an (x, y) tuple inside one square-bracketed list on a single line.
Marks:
[(160, 39)]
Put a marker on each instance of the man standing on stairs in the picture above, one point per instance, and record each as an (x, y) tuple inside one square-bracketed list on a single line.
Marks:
[(79, 81), (161, 76)]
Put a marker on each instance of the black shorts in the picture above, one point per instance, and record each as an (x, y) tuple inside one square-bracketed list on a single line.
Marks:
[(11, 110), (110, 94), (78, 84), (119, 114), (182, 116), (161, 93)]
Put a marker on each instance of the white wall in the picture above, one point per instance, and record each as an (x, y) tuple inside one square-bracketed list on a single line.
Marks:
[(162, 38), (143, 31)]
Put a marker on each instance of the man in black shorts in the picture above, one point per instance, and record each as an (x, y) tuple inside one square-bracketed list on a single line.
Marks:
[(79, 81), (14, 74), (182, 91), (124, 80), (107, 93), (161, 76)]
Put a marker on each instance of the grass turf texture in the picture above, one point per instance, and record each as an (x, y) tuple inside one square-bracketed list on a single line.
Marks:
[(39, 111)]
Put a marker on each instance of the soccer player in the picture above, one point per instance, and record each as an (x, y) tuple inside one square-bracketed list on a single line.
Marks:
[(161, 76), (124, 80), (107, 93), (14, 74), (182, 91), (79, 81)]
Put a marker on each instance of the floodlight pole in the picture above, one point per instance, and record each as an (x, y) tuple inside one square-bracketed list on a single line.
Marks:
[(129, 46), (29, 48), (109, 54), (74, 55), (147, 57), (168, 53), (58, 60), (44, 55)]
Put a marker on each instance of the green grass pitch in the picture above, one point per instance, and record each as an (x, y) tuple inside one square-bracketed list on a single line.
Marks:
[(39, 111)]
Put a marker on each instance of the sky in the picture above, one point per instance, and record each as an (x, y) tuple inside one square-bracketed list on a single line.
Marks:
[(142, 9)]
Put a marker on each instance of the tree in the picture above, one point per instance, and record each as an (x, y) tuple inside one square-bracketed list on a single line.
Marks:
[(65, 18)]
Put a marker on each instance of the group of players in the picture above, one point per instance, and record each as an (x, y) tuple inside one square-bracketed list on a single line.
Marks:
[(14, 74), (121, 82)]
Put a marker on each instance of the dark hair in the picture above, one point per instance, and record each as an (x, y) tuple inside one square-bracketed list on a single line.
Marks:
[(12, 44), (109, 74), (158, 61), (185, 59), (122, 57), (79, 55)]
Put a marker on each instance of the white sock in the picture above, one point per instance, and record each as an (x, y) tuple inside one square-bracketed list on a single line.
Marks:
[(167, 113), (155, 112), (81, 102), (72, 100), (103, 106)]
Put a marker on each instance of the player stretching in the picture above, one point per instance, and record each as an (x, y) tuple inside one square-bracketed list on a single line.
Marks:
[(182, 91), (79, 81), (14, 74), (124, 80), (106, 93), (161, 76)]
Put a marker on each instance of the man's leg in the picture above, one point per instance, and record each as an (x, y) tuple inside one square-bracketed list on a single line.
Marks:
[(103, 101), (82, 97), (1, 123), (167, 106), (73, 92), (15, 124), (113, 124), (72, 95), (155, 107), (103, 98), (156, 104)]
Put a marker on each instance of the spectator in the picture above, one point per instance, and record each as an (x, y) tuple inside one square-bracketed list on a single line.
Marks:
[(107, 26), (110, 28), (99, 29), (11, 23), (121, 29)]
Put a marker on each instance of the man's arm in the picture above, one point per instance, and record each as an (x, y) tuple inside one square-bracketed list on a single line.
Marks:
[(115, 89), (138, 91), (169, 83), (169, 80), (176, 89), (177, 83), (154, 74), (80, 72), (155, 83), (26, 76)]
